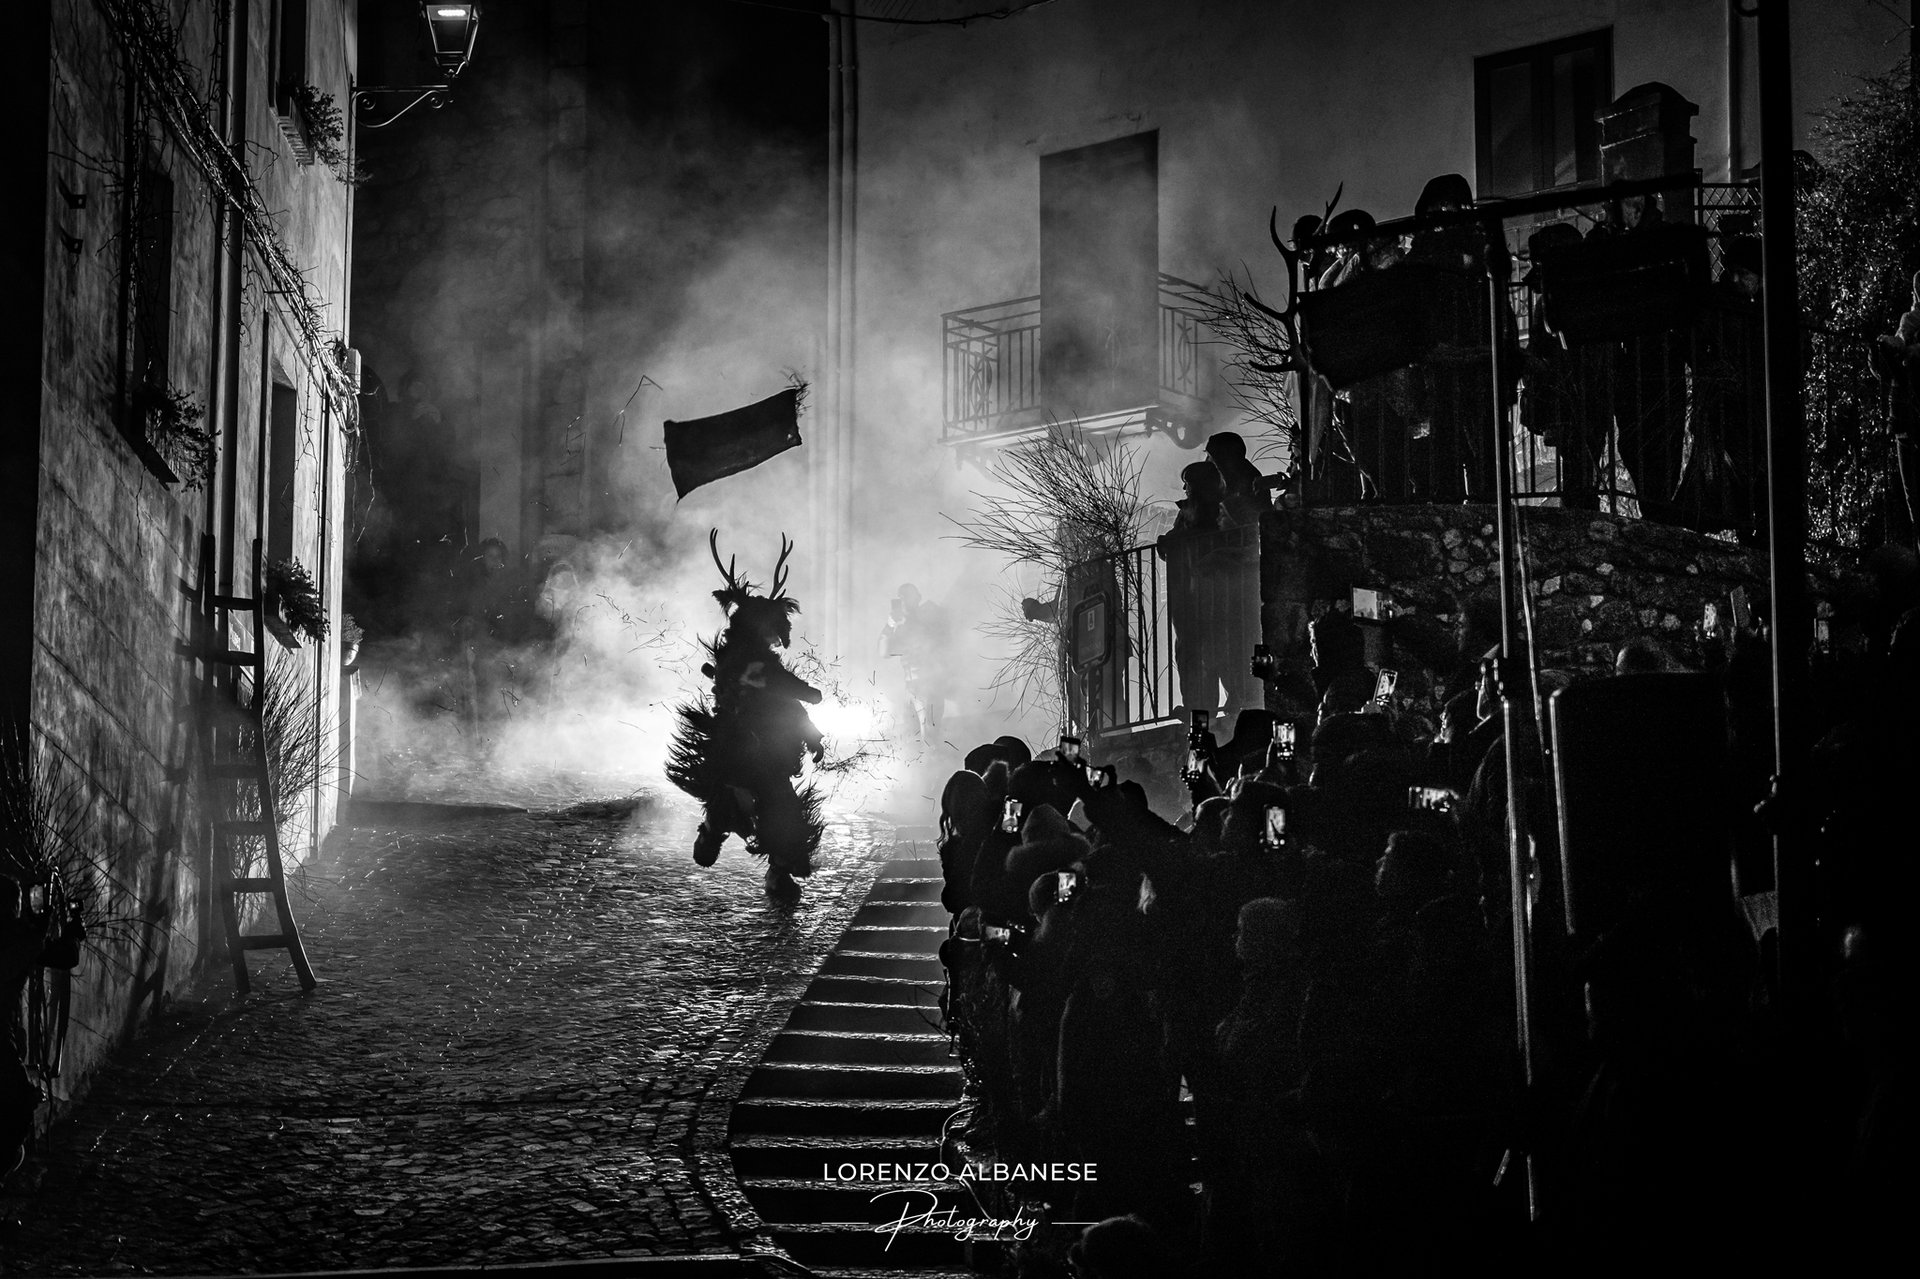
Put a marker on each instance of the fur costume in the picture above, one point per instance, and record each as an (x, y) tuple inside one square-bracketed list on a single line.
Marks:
[(739, 752)]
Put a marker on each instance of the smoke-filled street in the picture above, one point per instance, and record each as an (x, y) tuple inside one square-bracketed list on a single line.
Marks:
[(526, 1038)]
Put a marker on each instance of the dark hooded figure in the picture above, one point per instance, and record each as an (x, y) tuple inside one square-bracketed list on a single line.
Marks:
[(1651, 372), (1244, 488), (1566, 403), (1453, 454), (966, 815), (1191, 549), (1116, 1099), (1358, 438), (739, 755)]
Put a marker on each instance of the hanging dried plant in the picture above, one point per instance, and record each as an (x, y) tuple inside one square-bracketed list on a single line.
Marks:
[(327, 133), (291, 594), (175, 424)]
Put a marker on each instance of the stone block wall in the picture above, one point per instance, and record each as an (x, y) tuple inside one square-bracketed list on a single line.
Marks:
[(117, 548), (1594, 581)]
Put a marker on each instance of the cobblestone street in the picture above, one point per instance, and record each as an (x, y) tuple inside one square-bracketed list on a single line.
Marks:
[(528, 1033)]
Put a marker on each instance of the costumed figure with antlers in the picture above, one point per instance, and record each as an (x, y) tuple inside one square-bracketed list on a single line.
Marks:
[(739, 755)]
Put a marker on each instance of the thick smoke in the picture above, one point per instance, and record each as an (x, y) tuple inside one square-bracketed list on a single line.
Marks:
[(703, 287)]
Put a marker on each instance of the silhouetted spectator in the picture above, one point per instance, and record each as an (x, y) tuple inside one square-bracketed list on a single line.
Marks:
[(1243, 487), (1120, 1248), (1194, 586), (1567, 397), (1457, 404), (1651, 374)]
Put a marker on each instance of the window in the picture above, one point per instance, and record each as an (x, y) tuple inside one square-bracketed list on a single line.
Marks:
[(150, 259), (1533, 114), (283, 462), (290, 52), (1099, 275)]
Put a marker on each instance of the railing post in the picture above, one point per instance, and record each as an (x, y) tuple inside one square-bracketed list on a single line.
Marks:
[(1518, 854), (1791, 627)]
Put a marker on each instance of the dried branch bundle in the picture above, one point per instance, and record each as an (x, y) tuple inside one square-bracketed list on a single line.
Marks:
[(1067, 498), (174, 422), (291, 588), (1262, 363)]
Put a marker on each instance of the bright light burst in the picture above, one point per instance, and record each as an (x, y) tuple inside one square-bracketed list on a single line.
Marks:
[(846, 723)]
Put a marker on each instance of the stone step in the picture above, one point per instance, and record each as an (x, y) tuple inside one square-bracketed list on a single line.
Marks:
[(822, 1116), (773, 1155), (918, 938), (906, 965), (874, 1005), (904, 889), (853, 1204), (852, 988), (912, 868), (921, 1048), (852, 1082), (893, 914)]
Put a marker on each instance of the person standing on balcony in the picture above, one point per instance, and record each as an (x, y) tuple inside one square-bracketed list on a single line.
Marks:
[(1357, 459), (1243, 487), (1725, 482), (1565, 402), (1650, 378), (1454, 460), (1190, 551)]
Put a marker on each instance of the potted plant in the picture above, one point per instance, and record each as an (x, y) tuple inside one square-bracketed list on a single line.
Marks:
[(292, 604), (350, 637), (326, 132), (175, 424)]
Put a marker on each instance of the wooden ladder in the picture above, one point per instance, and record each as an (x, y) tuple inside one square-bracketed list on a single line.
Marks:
[(243, 760)]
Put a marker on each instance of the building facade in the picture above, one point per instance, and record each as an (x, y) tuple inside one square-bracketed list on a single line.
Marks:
[(177, 273), (1163, 138)]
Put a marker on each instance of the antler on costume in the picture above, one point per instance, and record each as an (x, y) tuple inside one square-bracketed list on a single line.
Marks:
[(780, 569), (1290, 361), (737, 590)]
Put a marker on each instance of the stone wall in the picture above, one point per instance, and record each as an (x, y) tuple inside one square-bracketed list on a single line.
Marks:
[(117, 546), (1594, 580)]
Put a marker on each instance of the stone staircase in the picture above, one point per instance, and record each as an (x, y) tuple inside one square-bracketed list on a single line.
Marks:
[(860, 1075)]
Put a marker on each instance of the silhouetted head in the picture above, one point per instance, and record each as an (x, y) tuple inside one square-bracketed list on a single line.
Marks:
[(1446, 192), (1202, 480), (1641, 655), (1349, 223), (1226, 445), (1119, 1248), (1413, 871)]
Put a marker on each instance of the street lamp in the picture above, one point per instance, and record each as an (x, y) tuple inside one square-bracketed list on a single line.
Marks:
[(451, 31), (452, 28)]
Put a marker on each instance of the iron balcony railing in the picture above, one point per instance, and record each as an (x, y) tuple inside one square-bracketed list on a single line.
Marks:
[(1669, 426), (991, 382), (1181, 617)]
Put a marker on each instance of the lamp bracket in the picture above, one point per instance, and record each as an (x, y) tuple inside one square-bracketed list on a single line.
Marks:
[(370, 101)]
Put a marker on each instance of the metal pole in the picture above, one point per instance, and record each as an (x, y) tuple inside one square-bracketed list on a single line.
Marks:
[(1517, 854), (1791, 622)]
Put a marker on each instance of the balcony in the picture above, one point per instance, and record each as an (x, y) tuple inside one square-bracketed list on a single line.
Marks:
[(993, 387)]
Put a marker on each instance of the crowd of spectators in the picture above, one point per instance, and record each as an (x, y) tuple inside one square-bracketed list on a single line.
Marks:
[(1641, 362), (1282, 1024)]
